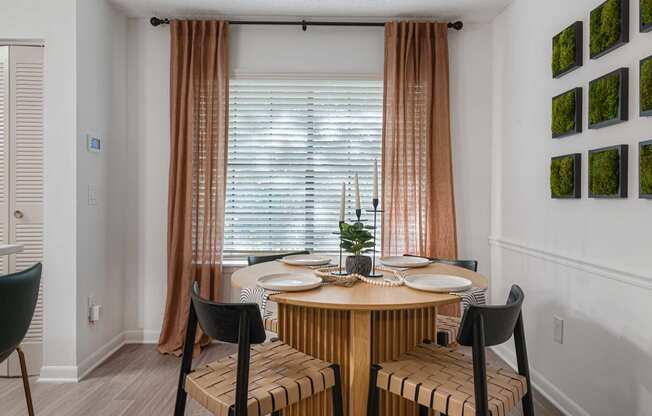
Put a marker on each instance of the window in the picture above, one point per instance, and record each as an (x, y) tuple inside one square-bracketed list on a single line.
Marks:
[(291, 145)]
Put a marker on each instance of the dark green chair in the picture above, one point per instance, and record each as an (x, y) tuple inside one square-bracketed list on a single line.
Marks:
[(18, 295)]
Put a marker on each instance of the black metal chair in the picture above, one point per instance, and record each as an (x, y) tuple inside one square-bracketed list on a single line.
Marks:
[(266, 377), (448, 326), (436, 377), (18, 296)]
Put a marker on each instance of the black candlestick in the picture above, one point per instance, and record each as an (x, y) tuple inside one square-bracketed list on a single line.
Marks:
[(373, 261), (340, 272)]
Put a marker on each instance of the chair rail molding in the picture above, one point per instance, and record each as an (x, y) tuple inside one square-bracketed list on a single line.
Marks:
[(634, 278)]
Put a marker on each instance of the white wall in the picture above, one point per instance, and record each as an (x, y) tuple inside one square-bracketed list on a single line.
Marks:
[(54, 23), (101, 228), (283, 50), (587, 261)]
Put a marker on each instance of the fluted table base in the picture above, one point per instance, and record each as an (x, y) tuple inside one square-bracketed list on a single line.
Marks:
[(354, 339)]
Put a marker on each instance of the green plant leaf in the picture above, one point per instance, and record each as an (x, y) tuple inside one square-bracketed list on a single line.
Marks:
[(562, 176), (646, 84), (604, 172), (645, 166), (356, 239), (563, 113), (605, 26), (604, 98)]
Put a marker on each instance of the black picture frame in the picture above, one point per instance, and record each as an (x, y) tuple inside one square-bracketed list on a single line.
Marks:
[(622, 171), (624, 30), (577, 176), (578, 26), (623, 100), (642, 113), (641, 195), (578, 113), (643, 27)]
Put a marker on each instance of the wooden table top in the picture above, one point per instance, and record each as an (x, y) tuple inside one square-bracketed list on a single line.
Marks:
[(361, 296)]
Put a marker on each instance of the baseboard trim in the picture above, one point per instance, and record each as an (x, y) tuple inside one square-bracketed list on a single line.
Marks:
[(58, 374), (141, 336), (100, 355), (595, 268), (543, 386)]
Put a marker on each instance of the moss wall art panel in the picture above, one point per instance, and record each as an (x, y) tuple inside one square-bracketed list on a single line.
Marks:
[(567, 50), (645, 15), (608, 99), (645, 87), (608, 27), (608, 172), (645, 170), (565, 176), (566, 113)]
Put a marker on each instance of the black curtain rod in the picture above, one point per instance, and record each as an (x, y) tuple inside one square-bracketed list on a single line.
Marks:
[(155, 21)]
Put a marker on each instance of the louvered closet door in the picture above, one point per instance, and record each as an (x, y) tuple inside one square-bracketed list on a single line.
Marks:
[(26, 181), (4, 154)]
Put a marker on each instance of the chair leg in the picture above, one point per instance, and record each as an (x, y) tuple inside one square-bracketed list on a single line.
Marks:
[(186, 362), (523, 365), (372, 401), (276, 413), (423, 410), (23, 371), (337, 392), (443, 339)]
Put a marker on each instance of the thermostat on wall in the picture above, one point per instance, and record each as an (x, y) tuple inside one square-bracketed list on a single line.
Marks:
[(93, 144)]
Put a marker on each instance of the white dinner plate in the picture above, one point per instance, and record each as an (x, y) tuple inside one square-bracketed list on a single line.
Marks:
[(306, 260), (289, 282), (404, 261), (441, 283)]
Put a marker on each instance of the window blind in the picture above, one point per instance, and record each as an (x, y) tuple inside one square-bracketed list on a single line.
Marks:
[(291, 145)]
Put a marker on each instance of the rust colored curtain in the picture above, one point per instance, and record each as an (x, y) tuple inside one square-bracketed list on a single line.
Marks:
[(199, 85), (417, 195)]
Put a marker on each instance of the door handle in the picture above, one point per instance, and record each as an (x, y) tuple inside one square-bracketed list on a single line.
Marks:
[(18, 214)]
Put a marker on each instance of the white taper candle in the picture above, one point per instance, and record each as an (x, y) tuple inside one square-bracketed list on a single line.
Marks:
[(374, 194), (343, 202), (357, 192)]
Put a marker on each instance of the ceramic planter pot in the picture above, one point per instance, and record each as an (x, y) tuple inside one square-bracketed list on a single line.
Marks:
[(358, 265)]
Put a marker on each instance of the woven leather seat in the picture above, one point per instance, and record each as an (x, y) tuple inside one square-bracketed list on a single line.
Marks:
[(442, 379), (279, 376), (447, 330)]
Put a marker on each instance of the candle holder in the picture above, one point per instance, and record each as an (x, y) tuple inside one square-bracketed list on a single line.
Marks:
[(375, 211), (339, 271)]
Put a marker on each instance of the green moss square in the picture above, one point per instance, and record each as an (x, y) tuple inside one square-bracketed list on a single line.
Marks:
[(646, 86), (646, 12), (564, 113), (604, 98), (564, 50), (645, 166), (562, 176), (604, 172), (605, 27)]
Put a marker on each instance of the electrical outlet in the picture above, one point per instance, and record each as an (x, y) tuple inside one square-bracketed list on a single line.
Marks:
[(559, 329), (92, 195), (93, 310)]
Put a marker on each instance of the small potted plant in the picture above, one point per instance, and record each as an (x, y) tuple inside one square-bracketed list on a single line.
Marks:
[(357, 241)]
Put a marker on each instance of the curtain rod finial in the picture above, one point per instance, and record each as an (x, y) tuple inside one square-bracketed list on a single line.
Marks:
[(456, 25), (155, 21)]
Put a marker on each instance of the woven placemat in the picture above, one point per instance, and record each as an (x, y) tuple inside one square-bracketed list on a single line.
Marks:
[(326, 274)]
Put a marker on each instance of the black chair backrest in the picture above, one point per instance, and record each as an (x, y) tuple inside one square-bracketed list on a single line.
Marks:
[(18, 296), (498, 321), (467, 264), (221, 321), (251, 260)]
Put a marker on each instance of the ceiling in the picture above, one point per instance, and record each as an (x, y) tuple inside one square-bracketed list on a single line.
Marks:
[(468, 10)]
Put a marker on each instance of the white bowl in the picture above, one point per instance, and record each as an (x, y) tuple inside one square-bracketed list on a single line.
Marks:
[(405, 261), (440, 283), (306, 260), (289, 282)]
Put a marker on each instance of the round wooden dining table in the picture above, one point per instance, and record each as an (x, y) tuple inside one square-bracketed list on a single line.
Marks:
[(356, 327)]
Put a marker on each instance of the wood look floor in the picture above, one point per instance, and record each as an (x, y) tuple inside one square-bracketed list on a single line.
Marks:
[(135, 381)]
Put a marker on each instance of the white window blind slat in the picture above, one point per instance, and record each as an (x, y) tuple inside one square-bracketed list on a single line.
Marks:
[(291, 144)]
